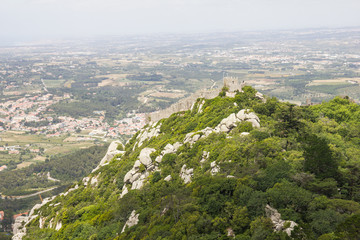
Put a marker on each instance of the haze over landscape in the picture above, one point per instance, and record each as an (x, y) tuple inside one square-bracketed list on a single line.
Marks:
[(182, 119), (50, 19)]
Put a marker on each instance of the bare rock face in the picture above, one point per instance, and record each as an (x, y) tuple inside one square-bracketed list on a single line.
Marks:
[(226, 125), (58, 226), (230, 232), (186, 174), (279, 224), (260, 96), (42, 222), (147, 133), (214, 168), (137, 178), (169, 148), (111, 152), (19, 227), (200, 110), (205, 156), (132, 221), (191, 138), (145, 156), (95, 180), (168, 178), (124, 191), (18, 230)]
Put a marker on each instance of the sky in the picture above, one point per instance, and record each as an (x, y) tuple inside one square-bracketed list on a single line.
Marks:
[(47, 19)]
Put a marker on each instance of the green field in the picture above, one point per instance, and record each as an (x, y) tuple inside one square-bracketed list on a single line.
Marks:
[(54, 83)]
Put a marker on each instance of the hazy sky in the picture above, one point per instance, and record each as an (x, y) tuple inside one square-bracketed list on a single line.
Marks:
[(63, 18)]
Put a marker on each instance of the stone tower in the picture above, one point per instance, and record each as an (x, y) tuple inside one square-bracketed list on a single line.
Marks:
[(232, 84)]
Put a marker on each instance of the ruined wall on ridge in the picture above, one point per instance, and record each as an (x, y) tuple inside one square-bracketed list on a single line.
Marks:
[(185, 104)]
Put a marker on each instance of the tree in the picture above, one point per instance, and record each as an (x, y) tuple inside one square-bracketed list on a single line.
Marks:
[(318, 157)]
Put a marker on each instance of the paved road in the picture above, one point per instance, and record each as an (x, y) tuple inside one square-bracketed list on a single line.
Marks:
[(29, 195)]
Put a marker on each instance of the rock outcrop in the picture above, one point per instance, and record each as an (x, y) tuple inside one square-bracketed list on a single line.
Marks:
[(226, 125), (132, 220), (111, 152), (168, 178), (205, 156), (214, 168), (279, 224), (186, 174), (169, 148), (137, 176), (147, 133), (19, 227)]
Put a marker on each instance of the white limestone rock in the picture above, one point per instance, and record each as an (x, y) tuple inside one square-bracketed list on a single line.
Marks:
[(18, 229), (254, 122), (158, 159), (137, 165), (191, 138), (132, 220), (139, 182), (260, 96), (124, 191), (205, 156), (58, 226), (244, 133), (241, 115), (168, 178), (200, 110), (275, 217), (51, 223), (168, 149), (70, 190), (86, 181), (230, 121), (145, 156), (135, 177), (147, 133), (214, 168), (128, 176), (252, 115), (111, 152), (94, 181), (233, 119), (42, 222), (186, 174)]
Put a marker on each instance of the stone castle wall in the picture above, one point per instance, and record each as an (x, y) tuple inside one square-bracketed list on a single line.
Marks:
[(186, 103)]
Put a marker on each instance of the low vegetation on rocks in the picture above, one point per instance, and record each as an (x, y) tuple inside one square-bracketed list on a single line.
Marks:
[(290, 173)]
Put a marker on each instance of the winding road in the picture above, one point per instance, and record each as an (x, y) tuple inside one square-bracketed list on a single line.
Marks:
[(29, 195)]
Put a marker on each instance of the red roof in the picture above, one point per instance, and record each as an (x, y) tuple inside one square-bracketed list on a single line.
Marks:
[(20, 214)]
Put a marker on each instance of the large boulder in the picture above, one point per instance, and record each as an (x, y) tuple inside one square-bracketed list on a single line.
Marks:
[(132, 220), (186, 174), (145, 156)]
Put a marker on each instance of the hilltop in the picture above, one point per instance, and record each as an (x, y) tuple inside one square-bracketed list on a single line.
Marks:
[(231, 167)]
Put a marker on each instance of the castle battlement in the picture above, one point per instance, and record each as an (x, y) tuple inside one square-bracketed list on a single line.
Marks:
[(185, 104)]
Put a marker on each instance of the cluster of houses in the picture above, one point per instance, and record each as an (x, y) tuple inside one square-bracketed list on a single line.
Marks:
[(16, 115)]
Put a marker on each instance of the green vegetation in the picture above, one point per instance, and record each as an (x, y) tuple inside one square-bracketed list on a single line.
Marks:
[(66, 168), (115, 101), (303, 161)]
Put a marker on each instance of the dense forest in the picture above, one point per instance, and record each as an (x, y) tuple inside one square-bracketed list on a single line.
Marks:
[(66, 168), (302, 161)]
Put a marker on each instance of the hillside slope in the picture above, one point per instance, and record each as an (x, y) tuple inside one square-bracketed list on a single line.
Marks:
[(229, 168)]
